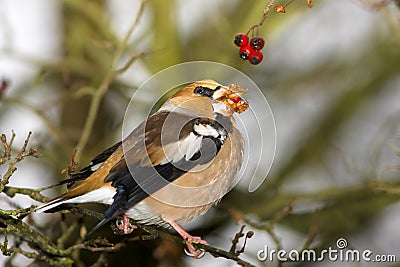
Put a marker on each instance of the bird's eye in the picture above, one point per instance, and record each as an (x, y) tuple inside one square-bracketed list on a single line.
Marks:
[(199, 90), (204, 91)]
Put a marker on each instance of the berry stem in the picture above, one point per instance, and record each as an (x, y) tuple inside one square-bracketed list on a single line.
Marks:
[(264, 17), (288, 3)]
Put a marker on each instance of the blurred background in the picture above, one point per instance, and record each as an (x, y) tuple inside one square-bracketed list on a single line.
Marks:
[(331, 75)]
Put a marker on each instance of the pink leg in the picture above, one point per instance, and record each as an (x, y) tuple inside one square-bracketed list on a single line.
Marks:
[(190, 240), (125, 226)]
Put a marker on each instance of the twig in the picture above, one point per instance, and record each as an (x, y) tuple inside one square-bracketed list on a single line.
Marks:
[(17, 213), (32, 193), (131, 60), (7, 147), (236, 239), (21, 155), (72, 167), (56, 261), (216, 252), (264, 17), (249, 235), (268, 227)]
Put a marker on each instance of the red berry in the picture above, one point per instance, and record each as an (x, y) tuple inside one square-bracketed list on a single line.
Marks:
[(241, 40), (257, 43), (235, 99), (255, 57), (245, 51)]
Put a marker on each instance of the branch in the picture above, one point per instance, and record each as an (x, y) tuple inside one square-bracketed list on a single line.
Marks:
[(31, 255), (35, 194), (25, 232), (7, 147), (155, 232), (32, 152)]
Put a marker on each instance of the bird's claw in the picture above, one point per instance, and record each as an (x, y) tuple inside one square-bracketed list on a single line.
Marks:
[(191, 251), (124, 225)]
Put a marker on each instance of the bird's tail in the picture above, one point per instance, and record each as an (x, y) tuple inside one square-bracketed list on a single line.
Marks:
[(56, 202), (80, 194), (52, 205)]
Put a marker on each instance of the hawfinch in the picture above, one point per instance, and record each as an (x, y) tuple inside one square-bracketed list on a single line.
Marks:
[(173, 167)]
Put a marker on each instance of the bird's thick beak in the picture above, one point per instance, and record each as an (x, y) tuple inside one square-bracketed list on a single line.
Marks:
[(231, 96), (236, 89)]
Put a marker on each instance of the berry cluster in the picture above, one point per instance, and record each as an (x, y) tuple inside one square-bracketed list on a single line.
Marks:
[(250, 49)]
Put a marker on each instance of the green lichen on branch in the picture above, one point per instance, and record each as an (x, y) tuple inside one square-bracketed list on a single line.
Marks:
[(35, 194)]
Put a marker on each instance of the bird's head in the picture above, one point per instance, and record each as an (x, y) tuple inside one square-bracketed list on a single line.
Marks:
[(210, 96)]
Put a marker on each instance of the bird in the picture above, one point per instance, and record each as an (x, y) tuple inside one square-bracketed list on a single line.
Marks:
[(171, 168)]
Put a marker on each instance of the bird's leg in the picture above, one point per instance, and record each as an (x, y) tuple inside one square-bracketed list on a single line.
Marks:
[(124, 225), (190, 240)]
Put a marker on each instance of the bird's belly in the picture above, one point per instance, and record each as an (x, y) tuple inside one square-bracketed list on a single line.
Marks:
[(152, 211), (144, 215)]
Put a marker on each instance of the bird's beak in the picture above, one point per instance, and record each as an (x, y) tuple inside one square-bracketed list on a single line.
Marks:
[(231, 96), (237, 89)]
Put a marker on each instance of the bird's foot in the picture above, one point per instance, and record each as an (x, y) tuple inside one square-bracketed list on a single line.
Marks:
[(191, 250), (189, 241), (124, 225)]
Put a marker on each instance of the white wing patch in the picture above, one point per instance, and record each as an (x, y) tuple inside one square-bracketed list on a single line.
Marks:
[(189, 146), (206, 130), (192, 145), (185, 148)]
